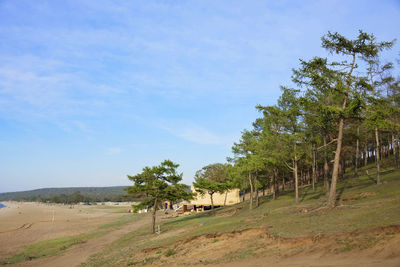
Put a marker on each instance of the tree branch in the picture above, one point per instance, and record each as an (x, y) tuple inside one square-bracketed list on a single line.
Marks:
[(334, 140), (287, 165)]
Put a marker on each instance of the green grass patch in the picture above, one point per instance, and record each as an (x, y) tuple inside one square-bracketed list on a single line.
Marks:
[(170, 252), (48, 248), (114, 209), (52, 247)]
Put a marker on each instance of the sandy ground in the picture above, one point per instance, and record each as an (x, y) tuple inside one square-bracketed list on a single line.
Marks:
[(25, 223), (80, 253), (29, 222), (229, 250)]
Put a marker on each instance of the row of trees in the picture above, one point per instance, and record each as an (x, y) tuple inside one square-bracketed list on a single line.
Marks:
[(76, 197), (343, 113)]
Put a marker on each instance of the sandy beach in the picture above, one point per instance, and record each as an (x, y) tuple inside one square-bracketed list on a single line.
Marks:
[(25, 223)]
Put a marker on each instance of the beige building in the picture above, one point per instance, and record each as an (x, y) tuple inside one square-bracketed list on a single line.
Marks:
[(229, 198)]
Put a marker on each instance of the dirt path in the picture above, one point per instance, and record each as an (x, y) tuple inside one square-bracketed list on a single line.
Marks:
[(81, 253)]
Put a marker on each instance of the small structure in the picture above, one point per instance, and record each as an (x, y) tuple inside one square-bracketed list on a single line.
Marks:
[(203, 202)]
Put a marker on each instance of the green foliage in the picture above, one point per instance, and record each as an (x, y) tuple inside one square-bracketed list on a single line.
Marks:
[(216, 172), (365, 44), (212, 179), (158, 183), (170, 252), (203, 186)]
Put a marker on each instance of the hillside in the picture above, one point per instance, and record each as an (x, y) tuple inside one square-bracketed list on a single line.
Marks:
[(363, 230), (364, 226), (110, 191)]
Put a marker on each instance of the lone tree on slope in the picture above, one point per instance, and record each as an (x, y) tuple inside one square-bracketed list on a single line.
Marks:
[(159, 183)]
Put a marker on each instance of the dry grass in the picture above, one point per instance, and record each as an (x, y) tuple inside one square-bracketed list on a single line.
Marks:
[(362, 205)]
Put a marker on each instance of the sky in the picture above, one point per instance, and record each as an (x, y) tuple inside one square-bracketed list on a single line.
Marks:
[(91, 91)]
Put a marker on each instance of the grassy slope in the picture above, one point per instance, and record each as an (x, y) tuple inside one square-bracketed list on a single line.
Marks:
[(362, 204)]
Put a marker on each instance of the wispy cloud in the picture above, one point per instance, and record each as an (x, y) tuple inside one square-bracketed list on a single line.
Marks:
[(87, 74), (194, 133), (73, 65), (74, 127)]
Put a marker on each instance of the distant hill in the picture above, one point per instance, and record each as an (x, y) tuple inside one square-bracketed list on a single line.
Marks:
[(99, 193)]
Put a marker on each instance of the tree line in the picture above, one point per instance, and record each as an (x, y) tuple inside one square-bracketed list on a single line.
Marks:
[(76, 197), (343, 113)]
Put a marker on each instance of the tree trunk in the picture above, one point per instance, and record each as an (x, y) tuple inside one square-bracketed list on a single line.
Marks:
[(256, 188), (226, 195), (378, 166), (332, 194), (314, 168), (326, 169), (256, 197), (251, 190), (153, 219), (398, 150), (212, 200), (296, 180), (357, 152), (366, 153), (394, 151), (335, 172), (276, 189)]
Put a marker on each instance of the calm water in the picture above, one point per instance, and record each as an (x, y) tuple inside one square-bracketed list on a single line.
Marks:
[(2, 205)]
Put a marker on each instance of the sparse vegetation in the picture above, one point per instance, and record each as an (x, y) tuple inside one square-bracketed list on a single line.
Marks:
[(52, 247), (49, 248), (170, 252), (357, 211)]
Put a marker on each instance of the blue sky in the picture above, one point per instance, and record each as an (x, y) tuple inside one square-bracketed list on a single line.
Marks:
[(91, 91)]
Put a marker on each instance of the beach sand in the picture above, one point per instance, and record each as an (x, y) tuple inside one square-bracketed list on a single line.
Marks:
[(26, 223)]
